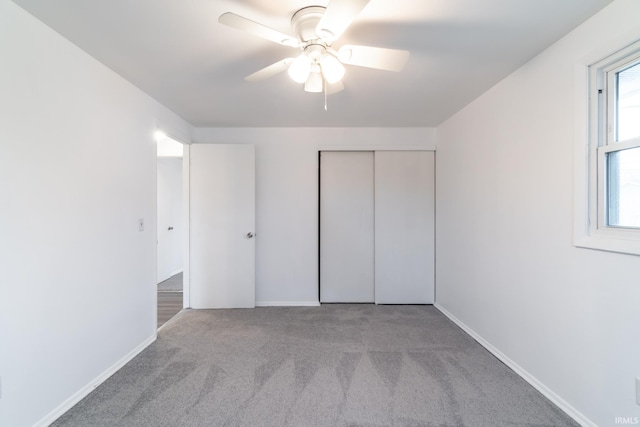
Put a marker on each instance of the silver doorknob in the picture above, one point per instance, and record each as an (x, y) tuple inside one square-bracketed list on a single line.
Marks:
[(249, 235)]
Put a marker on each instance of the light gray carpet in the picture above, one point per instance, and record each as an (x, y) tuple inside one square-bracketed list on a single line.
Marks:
[(335, 365), (172, 284)]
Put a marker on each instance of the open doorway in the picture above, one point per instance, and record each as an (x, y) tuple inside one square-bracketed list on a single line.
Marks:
[(170, 229)]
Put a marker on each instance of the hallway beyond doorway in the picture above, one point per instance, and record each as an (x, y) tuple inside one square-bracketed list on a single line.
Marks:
[(169, 298), (172, 284)]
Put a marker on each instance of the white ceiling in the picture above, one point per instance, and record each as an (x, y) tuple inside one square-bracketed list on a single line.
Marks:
[(176, 51)]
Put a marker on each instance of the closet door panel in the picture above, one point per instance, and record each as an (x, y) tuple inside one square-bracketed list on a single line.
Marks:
[(404, 227), (346, 227)]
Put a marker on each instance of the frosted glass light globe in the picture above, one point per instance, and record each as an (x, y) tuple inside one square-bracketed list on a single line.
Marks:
[(332, 69), (300, 68)]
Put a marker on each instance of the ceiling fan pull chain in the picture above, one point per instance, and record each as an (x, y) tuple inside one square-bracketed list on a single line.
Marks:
[(324, 84)]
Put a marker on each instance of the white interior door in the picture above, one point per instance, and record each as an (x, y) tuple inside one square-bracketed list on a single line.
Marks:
[(222, 223), (169, 227), (404, 227), (346, 227)]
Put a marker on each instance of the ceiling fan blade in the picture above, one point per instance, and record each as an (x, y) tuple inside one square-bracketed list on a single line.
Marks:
[(338, 16), (373, 57), (269, 71), (240, 23), (334, 87)]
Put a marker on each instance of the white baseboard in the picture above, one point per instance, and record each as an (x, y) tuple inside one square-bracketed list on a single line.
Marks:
[(287, 304), (84, 391), (546, 392)]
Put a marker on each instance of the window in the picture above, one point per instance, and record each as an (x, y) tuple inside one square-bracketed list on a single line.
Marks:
[(618, 148), (613, 170)]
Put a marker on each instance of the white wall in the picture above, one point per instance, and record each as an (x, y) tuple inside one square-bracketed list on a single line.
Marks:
[(506, 266), (77, 166), (168, 147), (287, 198)]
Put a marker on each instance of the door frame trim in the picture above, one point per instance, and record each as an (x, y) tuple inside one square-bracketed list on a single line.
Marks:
[(186, 197), (376, 148)]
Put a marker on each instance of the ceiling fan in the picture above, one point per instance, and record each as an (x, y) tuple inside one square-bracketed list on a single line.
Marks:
[(319, 66)]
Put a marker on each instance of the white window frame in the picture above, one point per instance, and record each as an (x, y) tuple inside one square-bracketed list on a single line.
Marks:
[(595, 114)]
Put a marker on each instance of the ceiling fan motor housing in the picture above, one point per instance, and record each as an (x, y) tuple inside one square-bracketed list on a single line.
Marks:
[(315, 51), (305, 21)]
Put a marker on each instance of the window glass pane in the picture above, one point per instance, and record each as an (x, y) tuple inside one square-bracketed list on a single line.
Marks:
[(623, 188), (628, 103)]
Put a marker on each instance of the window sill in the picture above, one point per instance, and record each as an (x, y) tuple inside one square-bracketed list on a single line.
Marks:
[(610, 242)]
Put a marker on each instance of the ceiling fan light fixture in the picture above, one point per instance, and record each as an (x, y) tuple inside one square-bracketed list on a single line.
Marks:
[(319, 67), (300, 68), (332, 69), (314, 83)]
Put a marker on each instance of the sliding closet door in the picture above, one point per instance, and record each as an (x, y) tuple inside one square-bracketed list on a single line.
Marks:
[(346, 230), (404, 227)]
